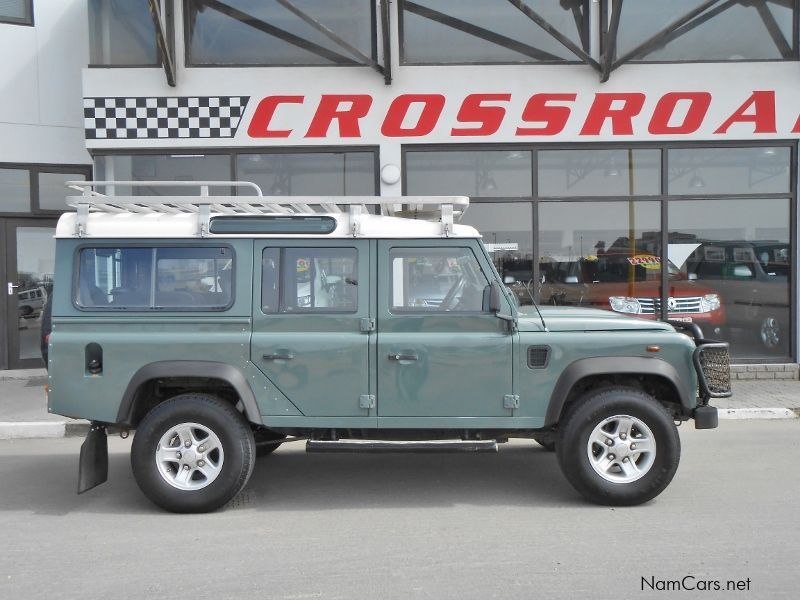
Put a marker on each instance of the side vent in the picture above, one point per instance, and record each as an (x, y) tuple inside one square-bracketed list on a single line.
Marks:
[(538, 356)]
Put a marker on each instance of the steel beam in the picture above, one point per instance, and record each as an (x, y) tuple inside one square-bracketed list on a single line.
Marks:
[(161, 42)]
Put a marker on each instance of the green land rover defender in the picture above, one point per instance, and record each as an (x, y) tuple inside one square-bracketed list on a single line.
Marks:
[(220, 327)]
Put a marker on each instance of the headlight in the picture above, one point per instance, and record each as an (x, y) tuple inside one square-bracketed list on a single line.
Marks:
[(709, 302), (624, 304)]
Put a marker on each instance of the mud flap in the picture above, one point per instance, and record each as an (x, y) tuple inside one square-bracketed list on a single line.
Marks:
[(93, 466)]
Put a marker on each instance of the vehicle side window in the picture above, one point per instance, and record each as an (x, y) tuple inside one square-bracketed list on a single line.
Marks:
[(319, 280), (270, 279), (437, 280), (155, 278)]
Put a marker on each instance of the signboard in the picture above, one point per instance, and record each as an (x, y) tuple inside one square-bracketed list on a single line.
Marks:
[(507, 103)]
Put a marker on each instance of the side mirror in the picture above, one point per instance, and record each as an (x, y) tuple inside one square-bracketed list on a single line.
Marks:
[(495, 298), (571, 279), (692, 276), (509, 279)]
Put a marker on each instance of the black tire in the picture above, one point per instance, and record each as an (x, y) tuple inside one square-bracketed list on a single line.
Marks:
[(267, 441), (235, 437), (771, 334), (550, 446), (573, 448)]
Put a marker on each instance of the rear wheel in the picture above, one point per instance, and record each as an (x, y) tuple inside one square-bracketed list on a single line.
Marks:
[(192, 453), (618, 446)]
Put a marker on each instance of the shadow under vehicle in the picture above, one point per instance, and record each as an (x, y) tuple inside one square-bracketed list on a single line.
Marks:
[(630, 283), (753, 278)]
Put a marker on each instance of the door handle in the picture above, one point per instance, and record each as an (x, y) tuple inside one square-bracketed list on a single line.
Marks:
[(286, 356), (403, 357), (11, 288)]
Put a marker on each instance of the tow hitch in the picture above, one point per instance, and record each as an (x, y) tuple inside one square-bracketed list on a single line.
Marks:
[(93, 466)]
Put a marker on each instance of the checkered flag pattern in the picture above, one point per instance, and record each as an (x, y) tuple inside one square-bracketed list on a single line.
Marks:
[(163, 118)]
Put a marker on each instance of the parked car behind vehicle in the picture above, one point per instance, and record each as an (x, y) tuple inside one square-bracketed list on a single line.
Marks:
[(629, 282), (753, 278)]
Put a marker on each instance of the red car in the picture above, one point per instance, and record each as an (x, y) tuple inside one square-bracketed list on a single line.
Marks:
[(630, 282)]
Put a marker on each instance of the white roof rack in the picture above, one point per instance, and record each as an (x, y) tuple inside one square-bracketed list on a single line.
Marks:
[(437, 208)]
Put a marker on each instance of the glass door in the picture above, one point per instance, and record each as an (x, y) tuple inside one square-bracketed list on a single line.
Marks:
[(29, 264)]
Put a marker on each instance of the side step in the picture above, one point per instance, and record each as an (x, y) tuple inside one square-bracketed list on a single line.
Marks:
[(401, 446)]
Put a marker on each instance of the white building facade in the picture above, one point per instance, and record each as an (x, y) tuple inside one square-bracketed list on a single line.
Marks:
[(631, 156)]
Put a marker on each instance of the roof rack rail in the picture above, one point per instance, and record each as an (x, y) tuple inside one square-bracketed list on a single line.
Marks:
[(437, 208)]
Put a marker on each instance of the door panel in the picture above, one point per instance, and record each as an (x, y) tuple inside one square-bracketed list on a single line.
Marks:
[(30, 259), (310, 304), (439, 353)]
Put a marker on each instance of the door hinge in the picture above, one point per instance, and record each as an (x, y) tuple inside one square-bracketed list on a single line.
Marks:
[(366, 401), (367, 325), (510, 401)]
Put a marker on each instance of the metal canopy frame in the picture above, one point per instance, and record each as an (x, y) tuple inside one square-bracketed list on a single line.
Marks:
[(351, 55), (446, 209), (513, 44), (682, 25), (161, 42)]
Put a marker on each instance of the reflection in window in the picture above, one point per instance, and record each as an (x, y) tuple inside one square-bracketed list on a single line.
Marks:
[(743, 30), (168, 167), (602, 254), (437, 280), (625, 172), (253, 32), (320, 280), (486, 31), (184, 278), (507, 230), (703, 171), (740, 251), (477, 173), (309, 174), (121, 32)]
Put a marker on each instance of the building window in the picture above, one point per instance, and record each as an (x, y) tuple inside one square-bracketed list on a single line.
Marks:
[(252, 32), (309, 173), (706, 238), (52, 192), (487, 31), (624, 172), (15, 190), (706, 171), (724, 31), (277, 173), (121, 33), (16, 12), (475, 173), (166, 167)]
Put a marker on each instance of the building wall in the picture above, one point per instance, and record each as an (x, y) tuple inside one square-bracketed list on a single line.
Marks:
[(41, 120)]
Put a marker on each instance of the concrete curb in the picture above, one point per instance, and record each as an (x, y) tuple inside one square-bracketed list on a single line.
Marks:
[(759, 413), (25, 430), (60, 429)]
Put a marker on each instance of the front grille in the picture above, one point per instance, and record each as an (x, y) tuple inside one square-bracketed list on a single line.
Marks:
[(537, 356), (651, 306), (714, 370)]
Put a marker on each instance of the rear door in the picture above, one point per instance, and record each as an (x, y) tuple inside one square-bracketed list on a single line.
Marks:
[(311, 323)]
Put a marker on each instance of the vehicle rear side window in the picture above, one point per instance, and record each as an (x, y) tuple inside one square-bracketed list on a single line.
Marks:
[(437, 280), (155, 278), (309, 280)]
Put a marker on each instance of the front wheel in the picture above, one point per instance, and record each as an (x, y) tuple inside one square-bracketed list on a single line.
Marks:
[(192, 453), (618, 446)]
